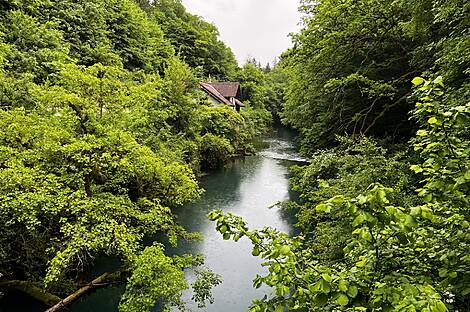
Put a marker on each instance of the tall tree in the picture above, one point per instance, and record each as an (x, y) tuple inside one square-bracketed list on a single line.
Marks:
[(350, 69), (195, 40)]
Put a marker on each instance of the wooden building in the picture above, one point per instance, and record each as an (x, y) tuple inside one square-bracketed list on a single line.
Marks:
[(224, 93)]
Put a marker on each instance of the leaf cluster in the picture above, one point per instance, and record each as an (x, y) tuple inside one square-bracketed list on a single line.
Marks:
[(399, 253), (102, 133)]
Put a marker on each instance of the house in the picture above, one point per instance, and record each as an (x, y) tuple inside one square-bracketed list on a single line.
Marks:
[(224, 93)]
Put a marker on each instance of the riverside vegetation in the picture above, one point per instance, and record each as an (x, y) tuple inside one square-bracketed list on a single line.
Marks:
[(103, 132), (384, 214)]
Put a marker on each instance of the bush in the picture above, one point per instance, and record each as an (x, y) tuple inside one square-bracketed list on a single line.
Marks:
[(214, 151)]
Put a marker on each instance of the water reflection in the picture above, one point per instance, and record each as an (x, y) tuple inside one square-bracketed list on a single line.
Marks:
[(247, 188), (260, 182)]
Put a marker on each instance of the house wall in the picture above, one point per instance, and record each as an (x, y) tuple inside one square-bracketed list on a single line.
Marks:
[(213, 100)]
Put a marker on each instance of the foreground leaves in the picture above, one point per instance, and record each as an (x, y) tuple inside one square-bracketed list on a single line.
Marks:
[(394, 258)]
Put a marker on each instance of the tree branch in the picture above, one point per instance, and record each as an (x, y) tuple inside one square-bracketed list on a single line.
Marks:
[(382, 113)]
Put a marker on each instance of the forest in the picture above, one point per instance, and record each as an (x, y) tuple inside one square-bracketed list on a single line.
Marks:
[(379, 92), (104, 132)]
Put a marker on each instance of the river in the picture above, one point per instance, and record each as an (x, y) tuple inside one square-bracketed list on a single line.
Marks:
[(247, 187)]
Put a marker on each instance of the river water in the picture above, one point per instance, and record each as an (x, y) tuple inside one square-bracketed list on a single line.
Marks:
[(247, 187)]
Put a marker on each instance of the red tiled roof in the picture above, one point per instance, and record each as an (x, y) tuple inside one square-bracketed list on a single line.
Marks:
[(215, 93), (227, 89)]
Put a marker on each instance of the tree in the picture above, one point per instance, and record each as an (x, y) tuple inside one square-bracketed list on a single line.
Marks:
[(276, 81), (350, 68), (82, 185), (194, 40), (397, 258)]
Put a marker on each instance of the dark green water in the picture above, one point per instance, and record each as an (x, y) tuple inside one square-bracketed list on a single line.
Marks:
[(247, 188)]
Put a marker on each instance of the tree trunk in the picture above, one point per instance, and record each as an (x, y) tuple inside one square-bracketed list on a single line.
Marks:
[(32, 290)]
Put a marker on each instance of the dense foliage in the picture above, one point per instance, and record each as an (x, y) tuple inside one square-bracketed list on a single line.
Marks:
[(263, 87), (376, 247), (350, 69), (102, 133), (383, 211), (194, 39)]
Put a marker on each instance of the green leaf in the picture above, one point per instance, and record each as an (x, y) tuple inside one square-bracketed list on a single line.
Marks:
[(352, 291), (358, 220), (361, 263), (323, 184), (284, 250), (327, 277), (342, 300), (323, 208), (325, 286), (337, 200), (416, 168), (382, 196), (321, 300), (410, 222), (223, 229), (363, 234), (422, 133), (361, 199), (415, 211), (461, 119), (428, 198), (441, 307), (418, 81), (317, 287), (443, 272), (439, 80), (343, 285), (432, 120)]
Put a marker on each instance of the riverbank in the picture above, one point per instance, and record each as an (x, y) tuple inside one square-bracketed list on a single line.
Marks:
[(247, 186)]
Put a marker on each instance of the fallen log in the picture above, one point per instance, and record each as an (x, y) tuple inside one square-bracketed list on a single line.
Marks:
[(103, 280), (32, 290)]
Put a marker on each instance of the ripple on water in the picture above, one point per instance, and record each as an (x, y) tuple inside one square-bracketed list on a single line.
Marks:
[(282, 150)]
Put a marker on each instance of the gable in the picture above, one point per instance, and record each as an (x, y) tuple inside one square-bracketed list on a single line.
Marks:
[(227, 89), (214, 93)]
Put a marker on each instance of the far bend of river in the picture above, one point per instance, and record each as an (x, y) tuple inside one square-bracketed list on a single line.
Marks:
[(247, 187)]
